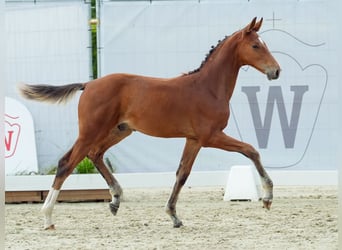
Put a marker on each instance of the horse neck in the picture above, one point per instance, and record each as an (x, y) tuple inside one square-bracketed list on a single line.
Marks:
[(221, 71)]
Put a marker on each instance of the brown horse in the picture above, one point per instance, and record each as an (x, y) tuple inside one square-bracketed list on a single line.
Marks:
[(194, 106)]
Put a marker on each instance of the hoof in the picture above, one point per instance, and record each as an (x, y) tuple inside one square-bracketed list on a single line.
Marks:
[(178, 224), (267, 204), (113, 208), (51, 227)]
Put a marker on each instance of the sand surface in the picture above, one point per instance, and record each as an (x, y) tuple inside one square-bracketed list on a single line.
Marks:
[(300, 218)]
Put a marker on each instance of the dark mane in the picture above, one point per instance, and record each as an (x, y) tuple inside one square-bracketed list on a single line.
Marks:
[(211, 51)]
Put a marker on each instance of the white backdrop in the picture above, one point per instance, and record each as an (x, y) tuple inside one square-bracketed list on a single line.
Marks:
[(48, 43), (291, 121)]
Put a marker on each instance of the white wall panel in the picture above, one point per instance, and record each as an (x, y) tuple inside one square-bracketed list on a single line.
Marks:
[(48, 43), (293, 122)]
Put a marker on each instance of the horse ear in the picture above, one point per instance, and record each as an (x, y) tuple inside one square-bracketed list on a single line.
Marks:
[(258, 25), (250, 27)]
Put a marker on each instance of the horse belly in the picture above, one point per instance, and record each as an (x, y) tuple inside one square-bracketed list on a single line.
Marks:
[(162, 124)]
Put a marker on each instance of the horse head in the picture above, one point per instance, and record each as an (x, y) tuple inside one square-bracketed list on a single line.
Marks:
[(253, 51)]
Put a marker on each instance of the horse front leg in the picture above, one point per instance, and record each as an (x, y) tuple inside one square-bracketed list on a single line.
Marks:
[(222, 141), (190, 152)]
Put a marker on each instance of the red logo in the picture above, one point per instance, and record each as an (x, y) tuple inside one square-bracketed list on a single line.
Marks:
[(12, 133)]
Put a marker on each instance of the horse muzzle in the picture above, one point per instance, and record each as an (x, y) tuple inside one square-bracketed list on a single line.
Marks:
[(273, 74)]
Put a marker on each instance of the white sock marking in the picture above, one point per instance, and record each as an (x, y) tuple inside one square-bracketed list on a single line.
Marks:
[(48, 207)]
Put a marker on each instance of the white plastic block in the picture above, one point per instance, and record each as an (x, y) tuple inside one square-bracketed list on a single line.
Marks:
[(243, 184)]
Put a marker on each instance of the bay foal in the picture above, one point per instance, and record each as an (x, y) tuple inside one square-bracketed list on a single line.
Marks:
[(194, 106)]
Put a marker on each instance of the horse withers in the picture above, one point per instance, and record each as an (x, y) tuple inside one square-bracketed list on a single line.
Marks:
[(194, 106)]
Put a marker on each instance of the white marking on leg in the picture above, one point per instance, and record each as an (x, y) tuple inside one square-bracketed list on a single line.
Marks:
[(112, 192), (115, 195), (114, 205), (48, 207), (268, 187)]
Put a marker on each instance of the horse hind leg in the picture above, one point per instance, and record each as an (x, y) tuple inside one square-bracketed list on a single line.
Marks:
[(52, 196), (65, 167), (96, 156), (114, 187), (47, 208)]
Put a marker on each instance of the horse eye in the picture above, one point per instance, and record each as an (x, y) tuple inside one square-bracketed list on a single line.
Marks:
[(255, 46)]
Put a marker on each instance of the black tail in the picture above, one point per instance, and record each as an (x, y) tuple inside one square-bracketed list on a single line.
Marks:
[(49, 93)]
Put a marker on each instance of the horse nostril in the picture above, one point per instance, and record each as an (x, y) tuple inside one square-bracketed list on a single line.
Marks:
[(277, 73)]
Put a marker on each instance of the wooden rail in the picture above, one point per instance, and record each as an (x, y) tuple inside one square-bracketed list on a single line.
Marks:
[(92, 187), (64, 196)]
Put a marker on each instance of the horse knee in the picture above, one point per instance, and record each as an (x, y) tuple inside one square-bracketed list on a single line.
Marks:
[(255, 156), (252, 153)]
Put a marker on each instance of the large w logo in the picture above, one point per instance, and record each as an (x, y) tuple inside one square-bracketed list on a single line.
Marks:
[(275, 96), (280, 117)]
